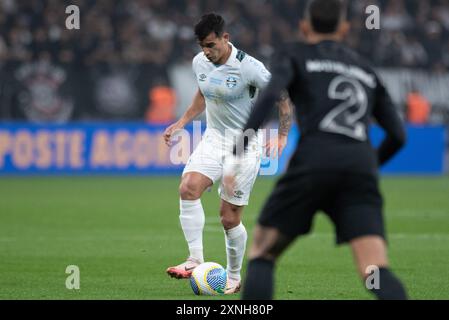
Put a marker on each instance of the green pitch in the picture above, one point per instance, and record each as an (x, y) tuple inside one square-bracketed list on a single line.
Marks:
[(123, 233)]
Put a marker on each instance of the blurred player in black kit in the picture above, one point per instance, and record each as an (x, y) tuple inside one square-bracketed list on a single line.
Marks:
[(335, 167)]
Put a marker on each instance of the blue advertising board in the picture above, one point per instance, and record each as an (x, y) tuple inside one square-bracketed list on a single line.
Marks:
[(124, 148)]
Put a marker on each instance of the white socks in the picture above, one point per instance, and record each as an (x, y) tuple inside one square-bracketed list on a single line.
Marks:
[(192, 223), (235, 250)]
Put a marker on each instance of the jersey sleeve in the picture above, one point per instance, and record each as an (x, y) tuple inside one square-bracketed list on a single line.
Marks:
[(386, 115), (195, 63), (254, 73)]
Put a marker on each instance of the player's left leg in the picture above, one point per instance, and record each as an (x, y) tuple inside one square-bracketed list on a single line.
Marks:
[(235, 239), (369, 251), (372, 251), (268, 245), (357, 212), (231, 213)]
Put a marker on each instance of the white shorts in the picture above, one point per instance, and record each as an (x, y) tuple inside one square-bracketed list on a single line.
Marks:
[(208, 159)]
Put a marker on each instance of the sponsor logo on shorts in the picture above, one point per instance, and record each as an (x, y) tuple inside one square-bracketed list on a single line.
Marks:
[(238, 194)]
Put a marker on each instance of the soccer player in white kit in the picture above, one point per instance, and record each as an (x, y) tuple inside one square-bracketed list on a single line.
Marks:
[(228, 81)]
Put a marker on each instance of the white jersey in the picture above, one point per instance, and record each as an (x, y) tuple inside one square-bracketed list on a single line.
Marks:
[(230, 90)]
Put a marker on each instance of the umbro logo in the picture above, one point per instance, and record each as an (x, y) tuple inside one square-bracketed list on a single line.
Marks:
[(202, 77), (238, 194)]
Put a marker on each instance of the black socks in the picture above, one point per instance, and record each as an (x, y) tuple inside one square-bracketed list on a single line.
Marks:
[(390, 287), (259, 280)]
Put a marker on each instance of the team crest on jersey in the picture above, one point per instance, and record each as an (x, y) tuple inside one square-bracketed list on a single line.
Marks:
[(231, 82), (202, 77)]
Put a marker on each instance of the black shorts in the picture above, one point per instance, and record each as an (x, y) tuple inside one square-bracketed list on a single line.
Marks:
[(352, 201)]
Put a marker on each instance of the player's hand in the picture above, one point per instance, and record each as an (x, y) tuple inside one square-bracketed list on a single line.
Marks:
[(276, 146), (170, 131)]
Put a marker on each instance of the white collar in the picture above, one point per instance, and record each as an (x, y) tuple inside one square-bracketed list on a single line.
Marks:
[(231, 59), (233, 55)]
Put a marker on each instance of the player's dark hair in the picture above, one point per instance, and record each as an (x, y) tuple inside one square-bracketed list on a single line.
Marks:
[(209, 23), (325, 15)]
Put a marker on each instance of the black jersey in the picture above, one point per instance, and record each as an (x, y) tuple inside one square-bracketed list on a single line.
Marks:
[(336, 94)]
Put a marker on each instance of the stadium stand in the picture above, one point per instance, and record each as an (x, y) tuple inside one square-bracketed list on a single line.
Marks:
[(107, 69)]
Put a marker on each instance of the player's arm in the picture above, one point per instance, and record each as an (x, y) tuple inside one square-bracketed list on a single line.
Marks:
[(282, 75), (388, 118), (195, 109), (276, 146), (285, 114), (259, 77)]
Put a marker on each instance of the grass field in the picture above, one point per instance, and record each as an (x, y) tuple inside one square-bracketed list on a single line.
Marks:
[(124, 232)]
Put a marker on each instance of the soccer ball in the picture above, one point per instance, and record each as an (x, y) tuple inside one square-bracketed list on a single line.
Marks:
[(208, 279)]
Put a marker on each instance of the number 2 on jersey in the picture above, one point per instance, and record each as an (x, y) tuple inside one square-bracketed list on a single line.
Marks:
[(345, 118)]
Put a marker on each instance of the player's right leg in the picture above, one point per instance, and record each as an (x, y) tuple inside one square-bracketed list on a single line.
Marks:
[(371, 251), (287, 214), (192, 186), (202, 170)]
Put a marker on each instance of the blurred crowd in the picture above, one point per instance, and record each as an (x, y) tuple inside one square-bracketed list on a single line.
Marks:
[(414, 33), (144, 37)]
